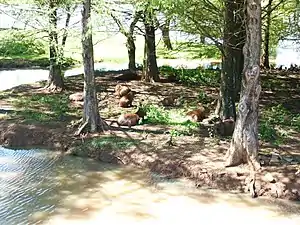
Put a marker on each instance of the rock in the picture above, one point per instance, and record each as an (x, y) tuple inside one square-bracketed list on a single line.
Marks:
[(275, 159), (78, 96), (269, 178)]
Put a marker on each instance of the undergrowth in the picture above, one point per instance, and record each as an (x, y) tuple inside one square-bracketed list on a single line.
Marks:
[(175, 118), (276, 123), (200, 76)]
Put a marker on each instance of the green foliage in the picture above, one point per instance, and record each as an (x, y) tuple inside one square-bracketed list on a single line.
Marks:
[(15, 43), (42, 108), (172, 117), (276, 123), (189, 50), (192, 76)]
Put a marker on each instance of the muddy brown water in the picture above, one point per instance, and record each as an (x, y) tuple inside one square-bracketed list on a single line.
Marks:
[(42, 187)]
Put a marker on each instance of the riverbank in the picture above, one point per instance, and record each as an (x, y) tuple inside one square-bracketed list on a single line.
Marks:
[(32, 118)]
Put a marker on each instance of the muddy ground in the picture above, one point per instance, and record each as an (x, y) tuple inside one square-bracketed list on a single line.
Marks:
[(197, 156)]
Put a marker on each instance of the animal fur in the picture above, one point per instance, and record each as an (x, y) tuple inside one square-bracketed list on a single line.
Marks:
[(197, 115), (126, 101), (131, 119), (225, 128), (121, 90)]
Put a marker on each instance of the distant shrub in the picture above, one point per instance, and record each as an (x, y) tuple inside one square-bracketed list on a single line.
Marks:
[(198, 76), (16, 43)]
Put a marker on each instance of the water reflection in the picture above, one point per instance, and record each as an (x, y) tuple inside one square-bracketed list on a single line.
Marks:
[(38, 187)]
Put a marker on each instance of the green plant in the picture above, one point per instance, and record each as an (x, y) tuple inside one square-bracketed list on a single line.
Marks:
[(197, 76), (15, 43), (276, 122)]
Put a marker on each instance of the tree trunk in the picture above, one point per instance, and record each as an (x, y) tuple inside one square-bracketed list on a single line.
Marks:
[(202, 40), (244, 145), (266, 61), (165, 29), (130, 44), (131, 53), (55, 78), (91, 116), (232, 60), (151, 72)]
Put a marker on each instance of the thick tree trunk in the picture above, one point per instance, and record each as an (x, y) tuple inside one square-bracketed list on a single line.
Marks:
[(55, 78), (232, 61), (266, 56), (131, 53), (91, 116), (150, 72), (165, 29), (244, 145)]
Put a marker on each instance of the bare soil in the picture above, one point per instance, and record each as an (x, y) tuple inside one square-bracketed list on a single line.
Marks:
[(198, 157)]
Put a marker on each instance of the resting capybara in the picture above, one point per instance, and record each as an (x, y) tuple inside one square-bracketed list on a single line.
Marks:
[(225, 127), (131, 119), (126, 100), (197, 115), (168, 101), (121, 90)]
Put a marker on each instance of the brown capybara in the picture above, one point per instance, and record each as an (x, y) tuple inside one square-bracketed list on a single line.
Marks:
[(121, 90), (168, 101), (197, 115), (126, 101), (225, 127), (131, 119)]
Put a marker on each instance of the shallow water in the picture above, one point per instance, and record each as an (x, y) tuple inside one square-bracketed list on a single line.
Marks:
[(39, 187)]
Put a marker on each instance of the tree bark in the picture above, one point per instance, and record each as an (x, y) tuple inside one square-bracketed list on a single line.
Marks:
[(232, 60), (266, 56), (55, 78), (150, 72), (130, 42), (244, 145), (91, 116), (165, 29), (131, 53)]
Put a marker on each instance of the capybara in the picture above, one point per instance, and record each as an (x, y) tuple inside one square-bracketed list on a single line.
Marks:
[(121, 90), (126, 100), (131, 119), (168, 101), (225, 127), (197, 115)]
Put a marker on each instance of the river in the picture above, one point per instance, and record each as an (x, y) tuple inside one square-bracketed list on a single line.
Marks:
[(42, 187)]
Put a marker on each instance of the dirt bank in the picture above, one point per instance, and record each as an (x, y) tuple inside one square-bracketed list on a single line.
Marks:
[(25, 123)]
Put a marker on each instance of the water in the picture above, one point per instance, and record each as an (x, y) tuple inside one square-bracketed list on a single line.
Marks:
[(42, 187), (14, 77)]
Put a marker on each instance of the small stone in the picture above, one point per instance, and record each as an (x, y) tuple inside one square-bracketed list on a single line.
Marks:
[(274, 159), (269, 178)]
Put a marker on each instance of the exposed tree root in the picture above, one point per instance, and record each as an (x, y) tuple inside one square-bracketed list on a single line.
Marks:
[(80, 129), (51, 87), (102, 127)]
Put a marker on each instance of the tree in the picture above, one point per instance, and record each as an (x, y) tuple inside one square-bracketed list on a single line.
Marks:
[(232, 60), (91, 116), (165, 29), (129, 34), (244, 145), (55, 79), (150, 72)]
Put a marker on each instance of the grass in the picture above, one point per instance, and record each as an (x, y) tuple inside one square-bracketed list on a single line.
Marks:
[(42, 108), (189, 51), (277, 123), (94, 147), (193, 76), (170, 117)]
